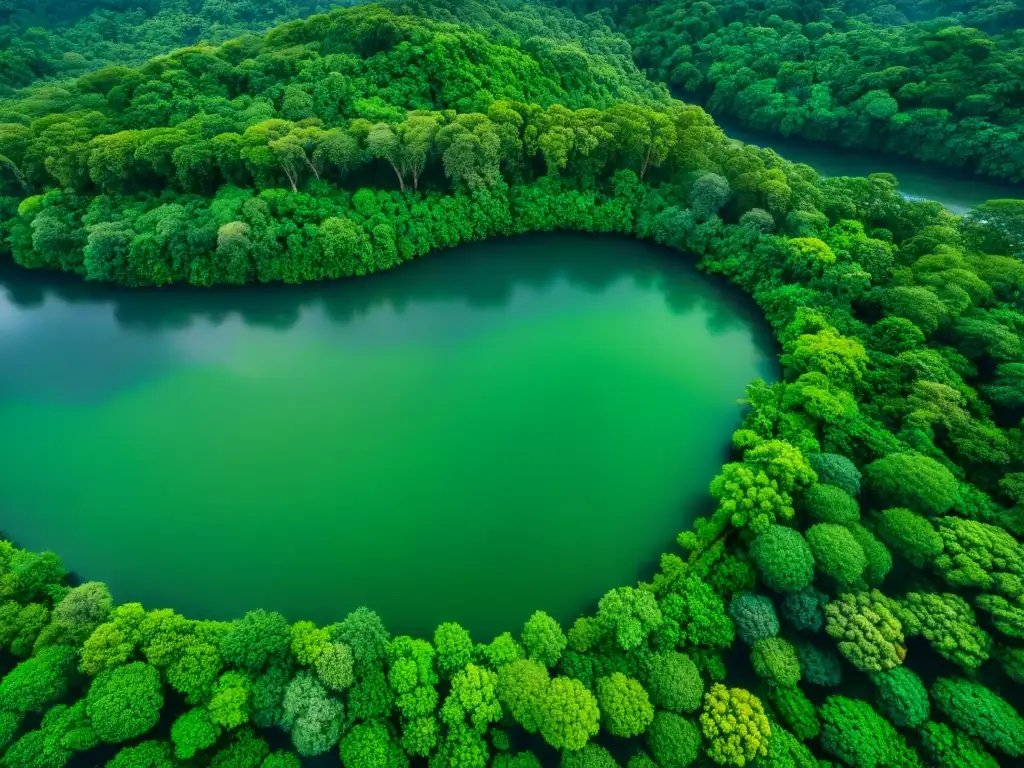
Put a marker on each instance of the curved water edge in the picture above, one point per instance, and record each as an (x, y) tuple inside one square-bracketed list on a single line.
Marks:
[(546, 412), (957, 190)]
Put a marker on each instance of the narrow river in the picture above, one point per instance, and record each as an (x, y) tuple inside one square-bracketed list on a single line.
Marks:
[(957, 190)]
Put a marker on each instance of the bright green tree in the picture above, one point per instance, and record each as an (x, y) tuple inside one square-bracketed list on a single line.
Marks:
[(522, 687), (902, 697), (674, 682), (254, 640), (837, 554), (946, 747), (915, 482), (454, 648), (673, 740), (369, 745), (309, 642), (831, 504), (193, 732), (148, 754), (473, 699), (568, 714), (36, 683), (229, 705), (783, 559), (625, 706), (335, 667), (125, 702), (775, 660), (868, 632), (857, 735), (631, 614), (795, 711), (947, 622), (735, 726), (543, 639), (910, 535), (981, 713)]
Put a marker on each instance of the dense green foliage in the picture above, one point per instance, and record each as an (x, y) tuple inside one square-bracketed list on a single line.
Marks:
[(867, 525), (902, 697), (858, 736), (939, 86), (52, 39), (783, 559)]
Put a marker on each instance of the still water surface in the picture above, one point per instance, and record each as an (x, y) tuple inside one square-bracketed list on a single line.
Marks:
[(509, 426), (957, 190)]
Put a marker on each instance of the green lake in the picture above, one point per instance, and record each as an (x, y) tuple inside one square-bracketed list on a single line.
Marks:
[(507, 426)]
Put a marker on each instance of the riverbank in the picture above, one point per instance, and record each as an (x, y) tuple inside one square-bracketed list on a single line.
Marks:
[(957, 190)]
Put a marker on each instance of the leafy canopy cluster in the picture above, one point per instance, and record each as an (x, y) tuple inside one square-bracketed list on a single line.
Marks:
[(876, 491), (908, 78)]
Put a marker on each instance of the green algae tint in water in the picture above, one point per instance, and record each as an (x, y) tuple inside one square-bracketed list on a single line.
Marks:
[(509, 426), (956, 189)]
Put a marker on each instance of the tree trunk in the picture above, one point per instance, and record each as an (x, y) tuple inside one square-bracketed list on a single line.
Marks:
[(16, 172), (291, 177), (647, 159), (312, 167), (401, 181)]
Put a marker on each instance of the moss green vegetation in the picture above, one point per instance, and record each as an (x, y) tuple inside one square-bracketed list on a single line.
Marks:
[(50, 39), (873, 506), (925, 79)]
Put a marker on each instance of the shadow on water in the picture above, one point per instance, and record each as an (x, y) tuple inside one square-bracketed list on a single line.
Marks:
[(479, 275), (79, 339)]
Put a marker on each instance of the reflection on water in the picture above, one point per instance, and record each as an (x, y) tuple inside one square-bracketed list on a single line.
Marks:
[(109, 336), (956, 189), (507, 426), (482, 276)]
